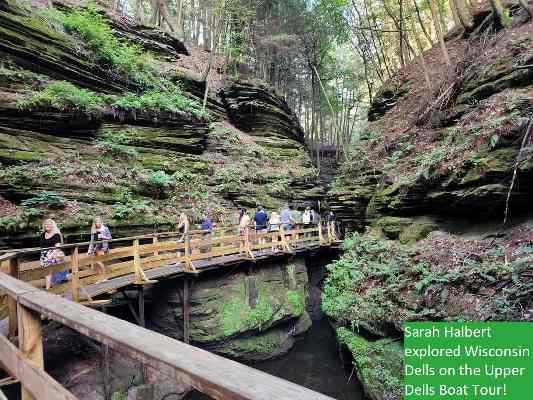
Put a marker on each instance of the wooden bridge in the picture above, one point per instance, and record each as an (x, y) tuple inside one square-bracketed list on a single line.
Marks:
[(137, 262)]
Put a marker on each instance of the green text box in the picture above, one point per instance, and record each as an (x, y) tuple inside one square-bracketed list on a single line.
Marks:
[(471, 360)]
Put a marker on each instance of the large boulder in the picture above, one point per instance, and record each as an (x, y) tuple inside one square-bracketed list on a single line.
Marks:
[(251, 314)]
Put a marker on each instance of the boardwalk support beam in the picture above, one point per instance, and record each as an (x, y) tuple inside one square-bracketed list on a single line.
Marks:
[(30, 341), (186, 310)]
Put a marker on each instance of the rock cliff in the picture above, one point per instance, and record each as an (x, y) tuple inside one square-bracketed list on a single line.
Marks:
[(83, 133), (455, 154), (457, 158)]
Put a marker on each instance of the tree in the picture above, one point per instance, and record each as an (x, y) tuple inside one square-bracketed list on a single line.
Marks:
[(438, 29)]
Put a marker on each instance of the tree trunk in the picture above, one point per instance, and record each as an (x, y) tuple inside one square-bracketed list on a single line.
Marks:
[(438, 29), (422, 25), (464, 14), (455, 14), (421, 56)]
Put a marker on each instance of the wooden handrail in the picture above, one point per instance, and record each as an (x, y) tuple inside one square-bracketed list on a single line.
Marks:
[(32, 250), (208, 373)]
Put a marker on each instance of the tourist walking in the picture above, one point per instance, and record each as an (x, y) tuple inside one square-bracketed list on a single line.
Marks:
[(332, 225), (287, 220), (99, 246), (183, 230), (244, 227), (51, 237), (307, 218), (260, 223), (274, 223), (260, 220), (207, 227)]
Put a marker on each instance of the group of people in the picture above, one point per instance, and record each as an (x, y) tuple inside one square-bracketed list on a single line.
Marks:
[(287, 219), (51, 238)]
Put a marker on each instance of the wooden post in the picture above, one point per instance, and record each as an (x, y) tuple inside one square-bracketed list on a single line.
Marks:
[(14, 271), (106, 373), (75, 276), (30, 341), (155, 241), (137, 262), (142, 320), (186, 312), (247, 245), (321, 233)]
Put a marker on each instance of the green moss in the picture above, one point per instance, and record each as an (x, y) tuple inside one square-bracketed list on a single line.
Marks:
[(379, 364), (392, 227), (416, 231), (296, 301), (259, 346)]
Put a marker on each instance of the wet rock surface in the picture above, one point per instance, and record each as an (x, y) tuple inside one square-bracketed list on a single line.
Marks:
[(250, 314)]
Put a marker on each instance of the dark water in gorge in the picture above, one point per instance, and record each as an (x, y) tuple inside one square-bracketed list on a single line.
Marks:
[(314, 363)]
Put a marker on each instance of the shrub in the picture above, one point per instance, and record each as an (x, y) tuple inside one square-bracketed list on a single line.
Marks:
[(48, 199), (123, 137), (156, 183), (229, 179), (127, 58), (117, 151), (17, 175), (129, 208), (49, 173), (64, 96), (171, 99)]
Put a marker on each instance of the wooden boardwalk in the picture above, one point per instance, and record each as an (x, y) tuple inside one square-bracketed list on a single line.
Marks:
[(137, 262)]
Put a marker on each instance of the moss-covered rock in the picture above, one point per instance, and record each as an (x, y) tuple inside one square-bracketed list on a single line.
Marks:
[(378, 364), (248, 316), (419, 229)]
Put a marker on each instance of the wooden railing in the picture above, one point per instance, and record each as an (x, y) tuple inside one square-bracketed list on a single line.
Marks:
[(210, 374), (139, 254)]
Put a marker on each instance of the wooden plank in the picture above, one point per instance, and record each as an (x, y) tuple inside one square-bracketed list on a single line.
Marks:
[(36, 380), (31, 344), (161, 246), (219, 240), (14, 287), (216, 253), (75, 276), (210, 374)]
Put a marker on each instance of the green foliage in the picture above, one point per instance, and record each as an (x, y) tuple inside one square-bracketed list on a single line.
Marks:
[(295, 300), (229, 179), (9, 224), (123, 137), (117, 151), (378, 363), (169, 99), (120, 395), (49, 173), (156, 183), (64, 96), (47, 199), (16, 175), (126, 58), (427, 163), (129, 207)]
